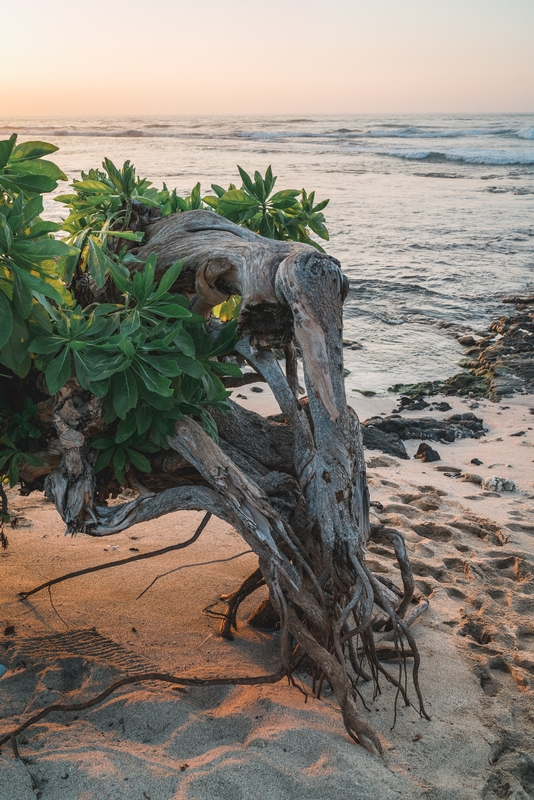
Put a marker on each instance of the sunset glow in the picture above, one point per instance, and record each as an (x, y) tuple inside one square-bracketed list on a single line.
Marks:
[(347, 56)]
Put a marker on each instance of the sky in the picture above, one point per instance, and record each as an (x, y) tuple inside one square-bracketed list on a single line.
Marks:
[(138, 57)]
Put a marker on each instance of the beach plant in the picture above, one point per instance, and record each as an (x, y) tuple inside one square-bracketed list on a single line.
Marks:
[(281, 215), (143, 354)]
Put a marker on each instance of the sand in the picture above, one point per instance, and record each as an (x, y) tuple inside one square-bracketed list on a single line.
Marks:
[(473, 557)]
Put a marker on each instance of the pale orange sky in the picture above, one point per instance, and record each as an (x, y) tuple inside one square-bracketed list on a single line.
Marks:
[(117, 57)]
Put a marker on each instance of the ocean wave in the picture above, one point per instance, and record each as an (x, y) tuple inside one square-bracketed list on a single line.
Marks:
[(461, 155), (437, 133), (341, 134)]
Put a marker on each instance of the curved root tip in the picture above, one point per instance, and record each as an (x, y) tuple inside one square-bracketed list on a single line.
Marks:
[(372, 745)]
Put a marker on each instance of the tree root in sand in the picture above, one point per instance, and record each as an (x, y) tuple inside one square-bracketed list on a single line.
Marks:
[(11, 736)]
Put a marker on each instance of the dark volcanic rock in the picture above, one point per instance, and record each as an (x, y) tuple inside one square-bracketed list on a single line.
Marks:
[(441, 407), (376, 439), (501, 363), (519, 299), (457, 426), (467, 341), (427, 453), (412, 403)]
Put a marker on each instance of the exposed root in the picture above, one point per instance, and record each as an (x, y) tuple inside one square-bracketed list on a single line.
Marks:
[(121, 562), (234, 600), (11, 736)]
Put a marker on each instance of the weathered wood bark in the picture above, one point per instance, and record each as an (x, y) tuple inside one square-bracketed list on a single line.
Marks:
[(296, 491)]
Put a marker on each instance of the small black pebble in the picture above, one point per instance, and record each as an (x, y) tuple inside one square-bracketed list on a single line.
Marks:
[(519, 433), (134, 549), (476, 461), (9, 631), (256, 389), (242, 396)]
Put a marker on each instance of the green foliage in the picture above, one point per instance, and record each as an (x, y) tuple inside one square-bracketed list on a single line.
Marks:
[(28, 252), (23, 169), (11, 458), (147, 355), (171, 202), (17, 432), (276, 216), (144, 354), (119, 453), (228, 310), (100, 211), (19, 425)]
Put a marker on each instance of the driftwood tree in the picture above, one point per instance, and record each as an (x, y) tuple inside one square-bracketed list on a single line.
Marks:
[(294, 486)]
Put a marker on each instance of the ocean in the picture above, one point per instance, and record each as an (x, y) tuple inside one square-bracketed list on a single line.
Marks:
[(431, 216)]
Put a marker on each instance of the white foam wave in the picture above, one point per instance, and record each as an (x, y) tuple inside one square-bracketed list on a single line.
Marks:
[(436, 133), (459, 154), (526, 133)]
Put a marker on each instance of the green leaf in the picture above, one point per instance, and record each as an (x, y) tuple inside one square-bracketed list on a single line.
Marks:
[(92, 186), (126, 428), (102, 443), (159, 438), (226, 340), (190, 366), (6, 148), (6, 319), (186, 344), (40, 167), (13, 471), (138, 460), (6, 236), (22, 298), (148, 446), (32, 460), (131, 323), (58, 372), (28, 183), (31, 150), (38, 284), (119, 459), (171, 310), (166, 365), (129, 235), (143, 418), (97, 261), (170, 277), (103, 458), (247, 181), (44, 249), (235, 201), (124, 392), (153, 381), (126, 347), (47, 344), (99, 387), (120, 279), (223, 368)]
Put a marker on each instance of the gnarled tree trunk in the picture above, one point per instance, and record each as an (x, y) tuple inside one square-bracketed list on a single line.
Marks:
[(296, 491)]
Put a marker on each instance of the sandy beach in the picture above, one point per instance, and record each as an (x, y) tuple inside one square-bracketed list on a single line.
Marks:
[(472, 552)]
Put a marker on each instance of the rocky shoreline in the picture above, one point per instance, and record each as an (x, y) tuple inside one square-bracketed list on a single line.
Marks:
[(499, 361)]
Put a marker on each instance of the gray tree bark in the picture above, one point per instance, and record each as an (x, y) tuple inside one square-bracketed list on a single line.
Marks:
[(296, 491)]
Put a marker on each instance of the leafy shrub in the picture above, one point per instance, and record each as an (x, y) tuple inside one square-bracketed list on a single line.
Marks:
[(147, 355)]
